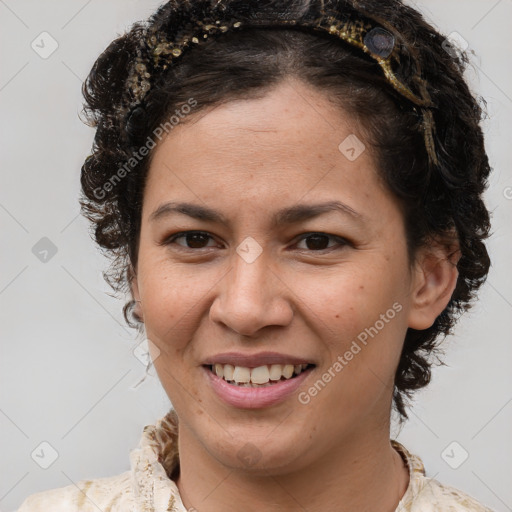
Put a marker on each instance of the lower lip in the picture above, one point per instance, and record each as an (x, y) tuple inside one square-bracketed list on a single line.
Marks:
[(255, 398)]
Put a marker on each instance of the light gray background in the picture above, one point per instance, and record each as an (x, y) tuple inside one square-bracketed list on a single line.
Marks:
[(67, 365)]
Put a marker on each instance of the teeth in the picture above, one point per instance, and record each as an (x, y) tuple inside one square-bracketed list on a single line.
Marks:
[(288, 371), (260, 376), (275, 372), (219, 370), (228, 372), (241, 374)]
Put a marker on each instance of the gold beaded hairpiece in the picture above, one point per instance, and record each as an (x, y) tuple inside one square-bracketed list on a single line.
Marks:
[(374, 40)]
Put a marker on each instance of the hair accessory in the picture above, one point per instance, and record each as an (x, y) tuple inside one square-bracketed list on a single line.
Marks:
[(380, 42), (156, 53)]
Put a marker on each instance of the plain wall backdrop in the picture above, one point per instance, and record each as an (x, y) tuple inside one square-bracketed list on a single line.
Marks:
[(67, 365)]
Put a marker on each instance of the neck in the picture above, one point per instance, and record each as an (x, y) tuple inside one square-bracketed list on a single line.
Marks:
[(362, 473)]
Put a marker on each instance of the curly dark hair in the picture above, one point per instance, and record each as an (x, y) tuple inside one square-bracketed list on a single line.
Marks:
[(441, 201)]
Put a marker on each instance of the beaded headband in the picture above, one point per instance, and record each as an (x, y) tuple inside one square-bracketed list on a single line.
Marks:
[(156, 53)]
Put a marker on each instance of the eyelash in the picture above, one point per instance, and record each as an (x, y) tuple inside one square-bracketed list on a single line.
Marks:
[(341, 241)]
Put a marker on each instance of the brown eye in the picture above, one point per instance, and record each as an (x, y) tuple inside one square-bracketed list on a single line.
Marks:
[(320, 241), (193, 239)]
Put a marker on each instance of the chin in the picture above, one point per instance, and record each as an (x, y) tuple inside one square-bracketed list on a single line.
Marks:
[(273, 452)]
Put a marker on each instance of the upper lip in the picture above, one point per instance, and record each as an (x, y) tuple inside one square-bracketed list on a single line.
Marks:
[(254, 360)]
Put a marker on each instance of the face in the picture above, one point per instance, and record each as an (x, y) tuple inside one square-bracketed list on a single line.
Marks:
[(265, 272)]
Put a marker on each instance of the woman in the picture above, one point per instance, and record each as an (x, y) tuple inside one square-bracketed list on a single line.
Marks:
[(292, 194)]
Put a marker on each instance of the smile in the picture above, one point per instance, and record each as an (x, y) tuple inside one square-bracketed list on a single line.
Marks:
[(261, 376), (246, 394)]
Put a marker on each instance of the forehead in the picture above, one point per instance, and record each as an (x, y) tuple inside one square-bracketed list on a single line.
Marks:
[(281, 119), (288, 144)]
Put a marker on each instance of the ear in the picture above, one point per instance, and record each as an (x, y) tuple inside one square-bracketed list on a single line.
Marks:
[(434, 280), (134, 289)]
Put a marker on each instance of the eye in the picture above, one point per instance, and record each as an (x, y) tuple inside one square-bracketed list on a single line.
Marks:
[(317, 241), (194, 239)]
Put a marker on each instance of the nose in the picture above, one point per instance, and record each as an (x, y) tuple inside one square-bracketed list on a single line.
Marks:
[(252, 296)]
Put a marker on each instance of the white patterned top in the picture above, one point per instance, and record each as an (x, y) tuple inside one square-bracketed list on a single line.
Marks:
[(149, 486)]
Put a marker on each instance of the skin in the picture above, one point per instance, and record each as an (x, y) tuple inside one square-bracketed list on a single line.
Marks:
[(247, 159)]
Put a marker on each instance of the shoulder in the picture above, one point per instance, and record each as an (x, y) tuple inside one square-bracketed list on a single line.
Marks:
[(109, 493), (433, 496), (425, 494)]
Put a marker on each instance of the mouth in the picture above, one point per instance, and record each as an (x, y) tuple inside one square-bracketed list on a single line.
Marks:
[(259, 377)]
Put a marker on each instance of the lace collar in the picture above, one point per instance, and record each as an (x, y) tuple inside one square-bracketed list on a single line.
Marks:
[(154, 465)]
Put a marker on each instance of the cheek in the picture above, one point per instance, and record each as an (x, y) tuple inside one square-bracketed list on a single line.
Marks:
[(172, 298), (361, 315), (350, 299)]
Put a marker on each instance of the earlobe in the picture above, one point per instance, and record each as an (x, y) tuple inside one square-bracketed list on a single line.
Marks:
[(434, 281)]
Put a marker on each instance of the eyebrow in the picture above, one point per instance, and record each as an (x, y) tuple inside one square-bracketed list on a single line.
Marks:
[(291, 215)]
